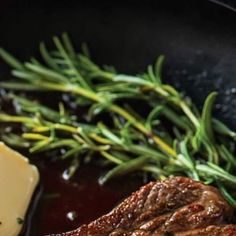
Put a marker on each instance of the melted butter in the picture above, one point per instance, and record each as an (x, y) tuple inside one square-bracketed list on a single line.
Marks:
[(18, 180)]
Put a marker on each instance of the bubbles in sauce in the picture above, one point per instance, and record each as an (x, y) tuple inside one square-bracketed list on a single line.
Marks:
[(66, 204), (72, 215)]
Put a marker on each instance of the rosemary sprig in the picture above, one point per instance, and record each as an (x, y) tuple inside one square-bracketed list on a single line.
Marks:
[(47, 131), (70, 80), (189, 145), (44, 132)]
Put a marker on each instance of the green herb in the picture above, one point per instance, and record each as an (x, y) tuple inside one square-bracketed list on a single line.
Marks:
[(20, 221), (193, 143)]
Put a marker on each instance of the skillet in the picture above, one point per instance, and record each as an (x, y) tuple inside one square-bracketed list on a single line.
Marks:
[(197, 38)]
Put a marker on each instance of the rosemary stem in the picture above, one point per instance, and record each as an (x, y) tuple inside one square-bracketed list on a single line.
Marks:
[(154, 169), (182, 105), (67, 128), (93, 96), (164, 146), (111, 157), (16, 119), (86, 93)]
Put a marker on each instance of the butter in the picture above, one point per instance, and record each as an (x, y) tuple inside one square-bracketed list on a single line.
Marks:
[(18, 180)]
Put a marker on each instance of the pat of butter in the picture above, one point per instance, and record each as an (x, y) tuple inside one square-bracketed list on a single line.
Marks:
[(18, 180)]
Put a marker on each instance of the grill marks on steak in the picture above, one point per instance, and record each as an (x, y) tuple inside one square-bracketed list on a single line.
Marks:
[(177, 206)]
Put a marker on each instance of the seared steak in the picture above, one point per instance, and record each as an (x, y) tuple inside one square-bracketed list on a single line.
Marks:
[(212, 230), (176, 206)]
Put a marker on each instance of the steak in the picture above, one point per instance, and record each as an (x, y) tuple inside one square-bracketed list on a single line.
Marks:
[(176, 206), (212, 230)]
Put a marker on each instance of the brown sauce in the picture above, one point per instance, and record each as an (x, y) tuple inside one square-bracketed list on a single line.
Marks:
[(65, 205)]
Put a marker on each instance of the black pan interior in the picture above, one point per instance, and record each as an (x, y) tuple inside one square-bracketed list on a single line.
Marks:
[(197, 37)]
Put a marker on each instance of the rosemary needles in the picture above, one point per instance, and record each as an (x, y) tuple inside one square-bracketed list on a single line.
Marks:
[(193, 143)]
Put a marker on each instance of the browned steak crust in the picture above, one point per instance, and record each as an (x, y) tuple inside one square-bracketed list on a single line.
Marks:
[(176, 206), (212, 230)]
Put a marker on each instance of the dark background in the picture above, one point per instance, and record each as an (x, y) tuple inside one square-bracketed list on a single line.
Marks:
[(197, 37)]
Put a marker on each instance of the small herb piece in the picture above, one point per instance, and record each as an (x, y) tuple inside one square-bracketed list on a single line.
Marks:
[(20, 221)]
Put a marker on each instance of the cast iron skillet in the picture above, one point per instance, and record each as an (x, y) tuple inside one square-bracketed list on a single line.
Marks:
[(197, 37)]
